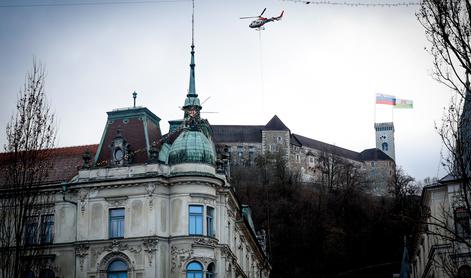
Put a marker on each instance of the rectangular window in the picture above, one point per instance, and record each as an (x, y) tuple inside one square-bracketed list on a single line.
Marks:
[(240, 153), (47, 229), (251, 155), (31, 230), (195, 226), (210, 221), (117, 223), (462, 227)]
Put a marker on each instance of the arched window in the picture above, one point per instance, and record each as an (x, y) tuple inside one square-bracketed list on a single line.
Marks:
[(384, 146), (47, 273), (117, 269), (464, 272), (28, 274), (194, 270), (210, 272)]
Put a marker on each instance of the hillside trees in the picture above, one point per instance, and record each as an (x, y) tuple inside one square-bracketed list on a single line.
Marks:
[(30, 135), (331, 228)]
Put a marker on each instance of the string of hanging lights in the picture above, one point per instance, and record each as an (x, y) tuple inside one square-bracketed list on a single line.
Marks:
[(358, 4)]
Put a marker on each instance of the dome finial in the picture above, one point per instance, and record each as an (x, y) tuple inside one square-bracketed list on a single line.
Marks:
[(134, 96)]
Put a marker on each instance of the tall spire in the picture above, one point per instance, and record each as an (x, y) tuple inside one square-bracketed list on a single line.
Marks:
[(192, 99), (192, 87)]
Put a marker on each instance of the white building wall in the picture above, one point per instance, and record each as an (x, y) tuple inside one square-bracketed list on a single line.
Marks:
[(156, 241)]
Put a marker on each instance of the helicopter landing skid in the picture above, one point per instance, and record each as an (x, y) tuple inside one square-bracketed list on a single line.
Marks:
[(260, 28)]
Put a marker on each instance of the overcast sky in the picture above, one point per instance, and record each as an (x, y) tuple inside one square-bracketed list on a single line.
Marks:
[(318, 69)]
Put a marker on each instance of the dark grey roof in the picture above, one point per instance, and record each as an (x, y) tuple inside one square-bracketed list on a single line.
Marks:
[(295, 141), (276, 124), (253, 134), (449, 177), (318, 145), (237, 133), (374, 154)]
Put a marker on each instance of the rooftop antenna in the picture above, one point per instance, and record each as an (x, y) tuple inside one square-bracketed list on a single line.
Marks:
[(192, 87), (134, 96), (193, 25), (205, 100)]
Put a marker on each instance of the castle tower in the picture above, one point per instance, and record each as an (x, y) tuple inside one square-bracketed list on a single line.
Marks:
[(385, 138)]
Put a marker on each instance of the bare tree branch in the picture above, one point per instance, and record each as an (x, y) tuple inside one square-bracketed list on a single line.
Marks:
[(31, 134)]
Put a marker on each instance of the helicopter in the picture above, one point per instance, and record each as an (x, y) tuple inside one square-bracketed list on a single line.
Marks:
[(260, 21)]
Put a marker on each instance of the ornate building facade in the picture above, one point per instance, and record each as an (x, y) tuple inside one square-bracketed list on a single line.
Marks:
[(140, 204), (440, 250)]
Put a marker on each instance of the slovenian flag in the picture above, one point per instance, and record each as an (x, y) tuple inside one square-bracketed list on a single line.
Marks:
[(385, 99), (404, 103)]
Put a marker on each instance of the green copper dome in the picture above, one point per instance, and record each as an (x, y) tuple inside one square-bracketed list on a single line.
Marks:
[(191, 146), (163, 154)]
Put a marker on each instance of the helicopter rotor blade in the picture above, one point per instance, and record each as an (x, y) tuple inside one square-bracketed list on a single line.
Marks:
[(245, 17), (263, 11)]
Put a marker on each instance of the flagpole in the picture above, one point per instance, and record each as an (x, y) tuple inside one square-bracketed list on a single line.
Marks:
[(392, 114), (375, 110)]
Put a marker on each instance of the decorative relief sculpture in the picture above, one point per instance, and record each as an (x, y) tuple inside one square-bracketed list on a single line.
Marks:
[(206, 242), (150, 246), (118, 246), (179, 256), (81, 251), (83, 196), (150, 188), (117, 201)]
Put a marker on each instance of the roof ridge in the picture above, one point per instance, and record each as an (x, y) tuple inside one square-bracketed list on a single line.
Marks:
[(332, 145), (240, 125), (74, 146), (62, 148)]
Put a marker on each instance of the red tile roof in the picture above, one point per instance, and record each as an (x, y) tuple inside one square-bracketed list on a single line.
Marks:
[(65, 162)]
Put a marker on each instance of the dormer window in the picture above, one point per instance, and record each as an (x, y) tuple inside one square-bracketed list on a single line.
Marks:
[(120, 153)]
